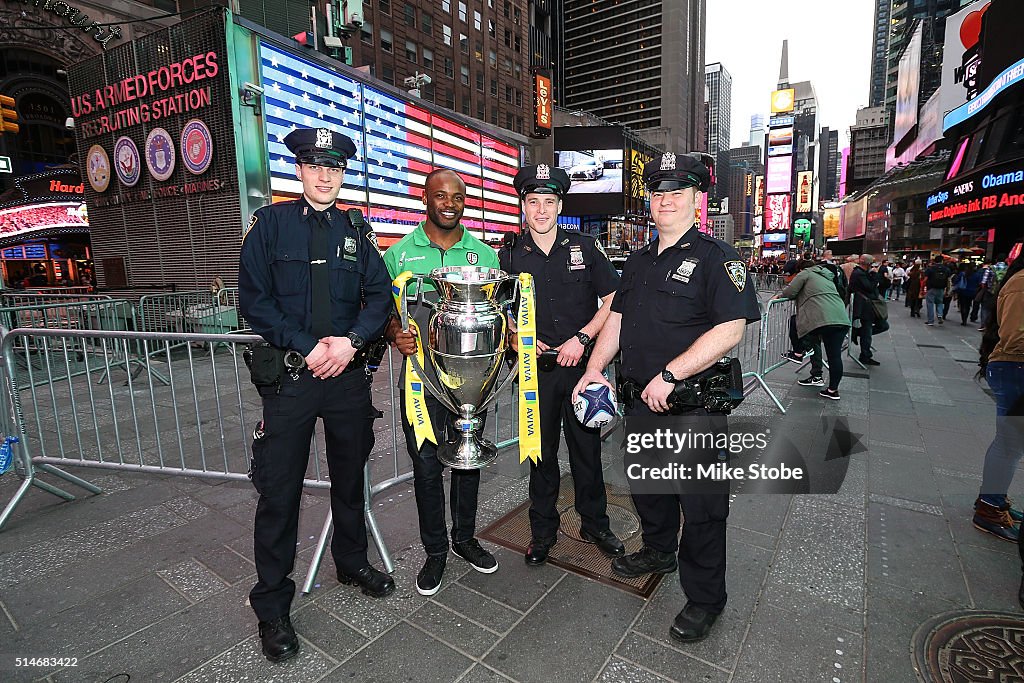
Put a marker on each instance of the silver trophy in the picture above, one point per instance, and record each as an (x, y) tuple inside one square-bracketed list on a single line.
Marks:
[(464, 343)]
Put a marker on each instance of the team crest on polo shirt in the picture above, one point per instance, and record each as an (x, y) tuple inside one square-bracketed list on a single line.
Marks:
[(668, 161), (323, 138), (576, 258), (543, 172), (737, 273), (472, 257)]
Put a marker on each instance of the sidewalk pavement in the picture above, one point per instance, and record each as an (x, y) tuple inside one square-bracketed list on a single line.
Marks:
[(149, 580)]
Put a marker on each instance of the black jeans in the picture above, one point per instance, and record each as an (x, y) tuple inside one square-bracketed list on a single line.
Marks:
[(281, 457), (555, 387), (831, 336), (968, 307), (429, 484)]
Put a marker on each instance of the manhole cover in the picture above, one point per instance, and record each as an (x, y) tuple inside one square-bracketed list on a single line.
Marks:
[(625, 523), (971, 646)]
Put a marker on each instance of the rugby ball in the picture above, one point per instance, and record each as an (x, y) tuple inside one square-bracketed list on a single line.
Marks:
[(595, 406)]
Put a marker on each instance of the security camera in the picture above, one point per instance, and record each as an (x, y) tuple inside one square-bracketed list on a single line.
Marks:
[(69, 123), (253, 88), (425, 79), (355, 19), (410, 82)]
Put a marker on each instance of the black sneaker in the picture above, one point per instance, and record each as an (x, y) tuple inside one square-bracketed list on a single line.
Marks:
[(811, 381), (794, 357), (471, 551), (428, 581), (869, 361), (647, 561), (832, 394)]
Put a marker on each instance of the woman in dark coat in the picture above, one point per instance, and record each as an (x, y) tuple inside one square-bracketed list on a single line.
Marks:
[(914, 289)]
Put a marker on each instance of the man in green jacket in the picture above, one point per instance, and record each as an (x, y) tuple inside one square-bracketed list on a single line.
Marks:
[(439, 241)]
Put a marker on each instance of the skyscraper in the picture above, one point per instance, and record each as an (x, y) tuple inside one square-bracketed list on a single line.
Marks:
[(639, 64), (879, 52), (932, 13), (718, 122), (757, 130)]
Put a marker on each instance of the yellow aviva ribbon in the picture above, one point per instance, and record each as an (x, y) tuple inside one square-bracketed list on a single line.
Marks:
[(529, 404), (416, 413)]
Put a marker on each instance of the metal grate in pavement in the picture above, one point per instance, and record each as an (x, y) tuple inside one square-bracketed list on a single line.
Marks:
[(970, 646), (572, 554)]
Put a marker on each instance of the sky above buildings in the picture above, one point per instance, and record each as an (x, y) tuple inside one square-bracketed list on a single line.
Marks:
[(829, 45)]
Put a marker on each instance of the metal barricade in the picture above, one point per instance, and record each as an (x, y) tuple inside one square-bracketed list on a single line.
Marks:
[(13, 299), (71, 289), (773, 338), (193, 312), (227, 299)]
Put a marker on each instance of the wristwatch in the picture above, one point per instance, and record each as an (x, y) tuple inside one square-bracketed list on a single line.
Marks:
[(584, 338), (357, 341), (667, 376)]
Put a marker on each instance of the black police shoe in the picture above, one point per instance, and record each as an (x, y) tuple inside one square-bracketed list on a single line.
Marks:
[(537, 553), (647, 561), (278, 639), (692, 624), (374, 582), (471, 551), (606, 542)]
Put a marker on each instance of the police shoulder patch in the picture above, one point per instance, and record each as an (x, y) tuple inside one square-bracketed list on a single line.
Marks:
[(737, 274), (252, 223), (372, 236), (600, 248)]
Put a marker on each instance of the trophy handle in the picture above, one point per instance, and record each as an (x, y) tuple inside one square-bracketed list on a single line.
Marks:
[(516, 291), (403, 312)]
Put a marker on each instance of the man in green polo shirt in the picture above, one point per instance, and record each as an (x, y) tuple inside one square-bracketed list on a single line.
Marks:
[(437, 242)]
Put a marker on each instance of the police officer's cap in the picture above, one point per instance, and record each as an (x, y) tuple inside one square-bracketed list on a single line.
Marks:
[(320, 146), (541, 179), (671, 171)]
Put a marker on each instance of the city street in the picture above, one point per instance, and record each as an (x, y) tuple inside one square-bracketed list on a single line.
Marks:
[(149, 580)]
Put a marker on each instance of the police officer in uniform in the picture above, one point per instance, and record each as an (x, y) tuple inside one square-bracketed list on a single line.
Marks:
[(310, 284), (439, 241), (683, 304), (571, 272)]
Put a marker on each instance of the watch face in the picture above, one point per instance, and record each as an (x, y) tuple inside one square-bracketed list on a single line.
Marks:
[(667, 376)]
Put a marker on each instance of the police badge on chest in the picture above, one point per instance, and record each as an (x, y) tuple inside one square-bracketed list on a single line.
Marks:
[(685, 270), (349, 250), (576, 258)]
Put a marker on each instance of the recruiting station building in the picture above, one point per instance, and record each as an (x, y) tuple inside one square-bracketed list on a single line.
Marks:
[(180, 137)]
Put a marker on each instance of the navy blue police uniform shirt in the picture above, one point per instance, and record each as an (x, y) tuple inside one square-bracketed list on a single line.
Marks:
[(668, 301), (567, 282), (274, 291)]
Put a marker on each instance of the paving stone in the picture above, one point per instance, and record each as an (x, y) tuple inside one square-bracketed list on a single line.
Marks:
[(193, 580), (404, 654), (600, 616), (514, 584), (673, 662), (787, 648), (480, 608), (986, 571), (328, 633), (481, 674), (470, 637), (620, 671), (245, 662)]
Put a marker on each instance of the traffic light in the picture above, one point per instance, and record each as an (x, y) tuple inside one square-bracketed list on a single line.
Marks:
[(8, 115)]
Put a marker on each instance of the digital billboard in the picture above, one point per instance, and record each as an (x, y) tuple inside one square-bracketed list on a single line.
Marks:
[(780, 136), (777, 212), (804, 191), (592, 170), (775, 237), (758, 195), (908, 84), (543, 103), (21, 221), (593, 158), (779, 175), (783, 100), (830, 222), (397, 144), (961, 56)]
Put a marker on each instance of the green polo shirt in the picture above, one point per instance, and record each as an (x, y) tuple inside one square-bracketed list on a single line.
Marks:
[(417, 253)]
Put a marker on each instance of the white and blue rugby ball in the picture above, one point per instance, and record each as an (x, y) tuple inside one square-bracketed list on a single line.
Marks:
[(595, 406)]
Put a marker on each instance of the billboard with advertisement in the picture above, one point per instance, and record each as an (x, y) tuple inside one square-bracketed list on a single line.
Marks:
[(593, 158), (804, 191), (961, 56), (758, 195), (775, 237), (780, 136), (543, 104), (781, 121), (908, 84), (830, 222), (783, 100), (777, 214), (637, 161), (779, 176)]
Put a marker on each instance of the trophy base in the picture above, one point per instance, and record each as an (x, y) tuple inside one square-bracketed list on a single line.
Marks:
[(467, 453)]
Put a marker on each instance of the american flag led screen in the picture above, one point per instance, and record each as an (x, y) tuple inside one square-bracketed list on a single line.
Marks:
[(397, 144)]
